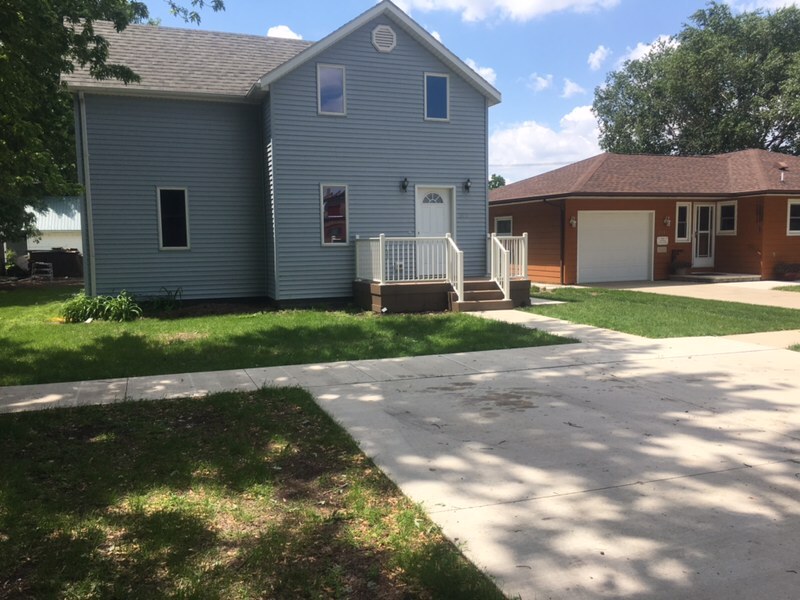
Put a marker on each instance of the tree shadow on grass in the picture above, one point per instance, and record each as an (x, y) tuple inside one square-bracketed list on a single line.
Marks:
[(247, 495)]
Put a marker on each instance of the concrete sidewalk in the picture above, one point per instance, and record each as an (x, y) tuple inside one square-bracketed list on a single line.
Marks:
[(617, 467)]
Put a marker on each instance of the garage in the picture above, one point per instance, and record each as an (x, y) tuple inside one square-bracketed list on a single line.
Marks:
[(615, 246)]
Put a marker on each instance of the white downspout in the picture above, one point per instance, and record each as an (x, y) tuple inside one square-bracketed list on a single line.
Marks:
[(87, 190)]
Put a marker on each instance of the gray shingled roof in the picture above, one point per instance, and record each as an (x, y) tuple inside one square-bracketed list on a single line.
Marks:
[(735, 173), (188, 61)]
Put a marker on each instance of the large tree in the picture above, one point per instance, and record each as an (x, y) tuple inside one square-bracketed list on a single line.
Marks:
[(40, 40), (724, 83)]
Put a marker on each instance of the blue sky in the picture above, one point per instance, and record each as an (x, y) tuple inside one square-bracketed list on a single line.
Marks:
[(545, 56)]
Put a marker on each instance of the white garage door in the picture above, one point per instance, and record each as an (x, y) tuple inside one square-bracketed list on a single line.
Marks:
[(615, 246)]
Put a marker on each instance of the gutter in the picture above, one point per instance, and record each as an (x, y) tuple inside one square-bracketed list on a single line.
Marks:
[(87, 194)]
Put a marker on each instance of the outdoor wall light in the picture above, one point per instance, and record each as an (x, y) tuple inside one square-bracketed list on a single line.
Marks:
[(467, 185), (573, 222), (667, 221), (404, 184)]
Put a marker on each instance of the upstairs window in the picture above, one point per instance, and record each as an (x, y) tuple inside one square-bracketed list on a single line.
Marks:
[(173, 219), (331, 90), (682, 223), (726, 225), (793, 218), (437, 97), (334, 214)]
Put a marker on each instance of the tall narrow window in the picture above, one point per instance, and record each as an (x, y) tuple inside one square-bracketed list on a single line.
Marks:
[(682, 222), (334, 214), (793, 218), (726, 224), (331, 90), (173, 218), (437, 97)]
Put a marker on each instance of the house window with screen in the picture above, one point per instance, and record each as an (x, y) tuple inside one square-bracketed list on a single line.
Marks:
[(173, 219), (437, 97), (331, 90), (726, 225), (503, 225), (334, 215), (682, 225), (793, 224)]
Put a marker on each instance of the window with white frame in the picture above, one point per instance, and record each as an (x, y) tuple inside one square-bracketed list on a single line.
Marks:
[(331, 90), (683, 222), (793, 218), (726, 221), (173, 218), (437, 97), (503, 225), (333, 200)]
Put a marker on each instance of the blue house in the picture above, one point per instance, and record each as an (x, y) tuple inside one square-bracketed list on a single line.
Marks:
[(248, 166)]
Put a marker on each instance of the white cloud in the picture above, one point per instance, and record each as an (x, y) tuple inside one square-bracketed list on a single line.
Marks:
[(539, 83), (283, 31), (515, 10), (598, 57), (526, 149), (751, 5), (488, 73), (641, 50), (571, 89), (437, 36)]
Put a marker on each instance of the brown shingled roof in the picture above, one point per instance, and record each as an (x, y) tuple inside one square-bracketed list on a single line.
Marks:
[(188, 61), (736, 173)]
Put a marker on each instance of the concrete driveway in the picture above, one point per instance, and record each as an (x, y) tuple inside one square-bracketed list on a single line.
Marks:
[(749, 292), (617, 468)]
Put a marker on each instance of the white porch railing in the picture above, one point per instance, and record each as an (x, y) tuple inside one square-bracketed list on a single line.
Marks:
[(410, 259), (508, 259)]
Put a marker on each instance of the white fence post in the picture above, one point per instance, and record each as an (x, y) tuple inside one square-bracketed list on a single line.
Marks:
[(382, 259)]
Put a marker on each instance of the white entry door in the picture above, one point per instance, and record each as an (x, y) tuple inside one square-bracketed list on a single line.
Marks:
[(703, 239), (434, 220)]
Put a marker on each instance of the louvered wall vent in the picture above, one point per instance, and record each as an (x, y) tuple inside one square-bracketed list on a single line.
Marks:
[(384, 38)]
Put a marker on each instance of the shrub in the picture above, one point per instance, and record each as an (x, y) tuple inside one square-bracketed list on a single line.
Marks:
[(787, 271), (81, 307)]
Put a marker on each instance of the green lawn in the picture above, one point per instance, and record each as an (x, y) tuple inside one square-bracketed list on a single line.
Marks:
[(788, 288), (256, 495), (39, 349), (660, 316)]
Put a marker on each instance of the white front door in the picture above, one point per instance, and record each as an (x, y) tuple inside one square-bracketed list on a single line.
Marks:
[(434, 220), (703, 238)]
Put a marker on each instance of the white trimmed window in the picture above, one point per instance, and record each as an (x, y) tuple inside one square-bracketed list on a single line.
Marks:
[(683, 222), (793, 218), (726, 222), (437, 97), (331, 90), (333, 199), (173, 218), (503, 225)]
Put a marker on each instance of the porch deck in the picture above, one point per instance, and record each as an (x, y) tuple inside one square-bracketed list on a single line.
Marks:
[(421, 274)]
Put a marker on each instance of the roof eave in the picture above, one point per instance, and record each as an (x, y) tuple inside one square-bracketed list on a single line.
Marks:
[(409, 25), (165, 94)]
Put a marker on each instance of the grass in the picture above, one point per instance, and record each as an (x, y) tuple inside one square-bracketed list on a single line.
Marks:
[(788, 288), (796, 347), (233, 496), (658, 316), (37, 348)]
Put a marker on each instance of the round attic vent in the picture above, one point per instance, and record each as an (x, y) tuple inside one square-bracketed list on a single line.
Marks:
[(384, 38)]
